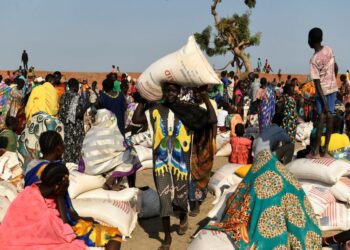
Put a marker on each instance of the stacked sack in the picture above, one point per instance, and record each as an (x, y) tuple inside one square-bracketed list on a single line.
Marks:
[(222, 184), (223, 145), (326, 182), (11, 180), (114, 208)]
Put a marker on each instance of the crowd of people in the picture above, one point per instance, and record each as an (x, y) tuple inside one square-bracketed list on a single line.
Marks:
[(73, 122)]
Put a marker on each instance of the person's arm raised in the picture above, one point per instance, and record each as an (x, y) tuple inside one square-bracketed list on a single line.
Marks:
[(139, 116)]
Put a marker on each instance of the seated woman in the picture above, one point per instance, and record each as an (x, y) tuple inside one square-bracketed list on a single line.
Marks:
[(85, 229), (33, 221), (104, 151), (269, 210)]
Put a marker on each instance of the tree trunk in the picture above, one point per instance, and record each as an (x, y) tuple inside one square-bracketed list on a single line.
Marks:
[(243, 56)]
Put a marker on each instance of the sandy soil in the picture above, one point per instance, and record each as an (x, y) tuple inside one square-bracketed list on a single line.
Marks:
[(148, 232)]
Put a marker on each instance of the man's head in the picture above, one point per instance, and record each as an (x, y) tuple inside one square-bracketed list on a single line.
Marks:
[(73, 85), (50, 78), (231, 74), (94, 85), (343, 78), (289, 77), (224, 73), (11, 123), (288, 89), (239, 130), (124, 86), (24, 51), (58, 77), (263, 82), (20, 83), (108, 85), (171, 92), (315, 37)]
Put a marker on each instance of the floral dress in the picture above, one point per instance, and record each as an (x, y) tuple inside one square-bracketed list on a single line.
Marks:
[(71, 115), (269, 210), (290, 116)]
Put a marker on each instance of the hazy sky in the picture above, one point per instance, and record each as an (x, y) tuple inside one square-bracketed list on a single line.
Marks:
[(91, 35)]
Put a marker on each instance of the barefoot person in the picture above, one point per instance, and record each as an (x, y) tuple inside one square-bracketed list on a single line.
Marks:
[(323, 71), (171, 123)]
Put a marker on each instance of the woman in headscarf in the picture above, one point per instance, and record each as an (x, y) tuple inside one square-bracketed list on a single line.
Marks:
[(288, 107), (86, 229), (16, 97), (267, 98), (71, 114), (104, 151), (203, 151), (170, 123), (269, 210)]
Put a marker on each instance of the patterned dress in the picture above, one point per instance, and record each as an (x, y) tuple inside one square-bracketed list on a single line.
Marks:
[(171, 159), (290, 116), (71, 115), (267, 108), (269, 210), (4, 102)]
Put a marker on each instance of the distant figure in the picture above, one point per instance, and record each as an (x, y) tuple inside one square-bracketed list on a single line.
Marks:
[(25, 60), (259, 64), (113, 69)]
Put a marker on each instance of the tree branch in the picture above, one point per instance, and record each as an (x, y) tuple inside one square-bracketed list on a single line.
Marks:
[(213, 11)]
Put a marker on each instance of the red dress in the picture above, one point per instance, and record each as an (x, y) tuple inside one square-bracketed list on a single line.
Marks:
[(240, 150)]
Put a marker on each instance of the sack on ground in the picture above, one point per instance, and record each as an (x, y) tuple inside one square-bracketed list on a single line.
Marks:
[(222, 139), (81, 183), (120, 214), (335, 217), (210, 240), (223, 179), (144, 153), (126, 194), (187, 67), (225, 151), (319, 196), (341, 190), (150, 204), (4, 205), (8, 190), (146, 165), (216, 212), (326, 170)]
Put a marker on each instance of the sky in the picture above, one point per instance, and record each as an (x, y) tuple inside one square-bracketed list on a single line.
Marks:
[(91, 35)]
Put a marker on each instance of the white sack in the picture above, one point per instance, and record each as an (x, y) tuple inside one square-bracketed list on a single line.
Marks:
[(211, 240), (8, 190), (187, 67), (81, 183), (4, 205), (126, 194)]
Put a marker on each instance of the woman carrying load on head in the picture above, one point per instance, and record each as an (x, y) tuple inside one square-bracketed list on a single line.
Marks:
[(269, 210), (86, 229), (171, 122)]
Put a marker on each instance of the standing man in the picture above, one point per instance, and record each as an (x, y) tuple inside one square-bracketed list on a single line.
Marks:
[(25, 60), (323, 71)]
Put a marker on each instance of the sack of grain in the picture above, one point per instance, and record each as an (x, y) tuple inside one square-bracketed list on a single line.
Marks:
[(187, 67), (211, 240)]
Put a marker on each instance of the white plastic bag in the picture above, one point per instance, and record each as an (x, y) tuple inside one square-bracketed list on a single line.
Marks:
[(150, 204), (80, 183), (187, 67), (211, 240), (120, 214)]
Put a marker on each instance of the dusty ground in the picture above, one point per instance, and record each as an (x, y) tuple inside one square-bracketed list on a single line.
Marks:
[(148, 232)]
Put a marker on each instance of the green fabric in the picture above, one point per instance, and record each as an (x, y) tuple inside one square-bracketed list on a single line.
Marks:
[(221, 88), (116, 86), (269, 210), (12, 139)]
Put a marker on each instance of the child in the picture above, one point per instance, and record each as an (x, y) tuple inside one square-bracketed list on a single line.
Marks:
[(241, 147), (8, 132)]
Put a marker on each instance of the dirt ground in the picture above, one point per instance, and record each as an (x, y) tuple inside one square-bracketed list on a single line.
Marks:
[(148, 233)]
